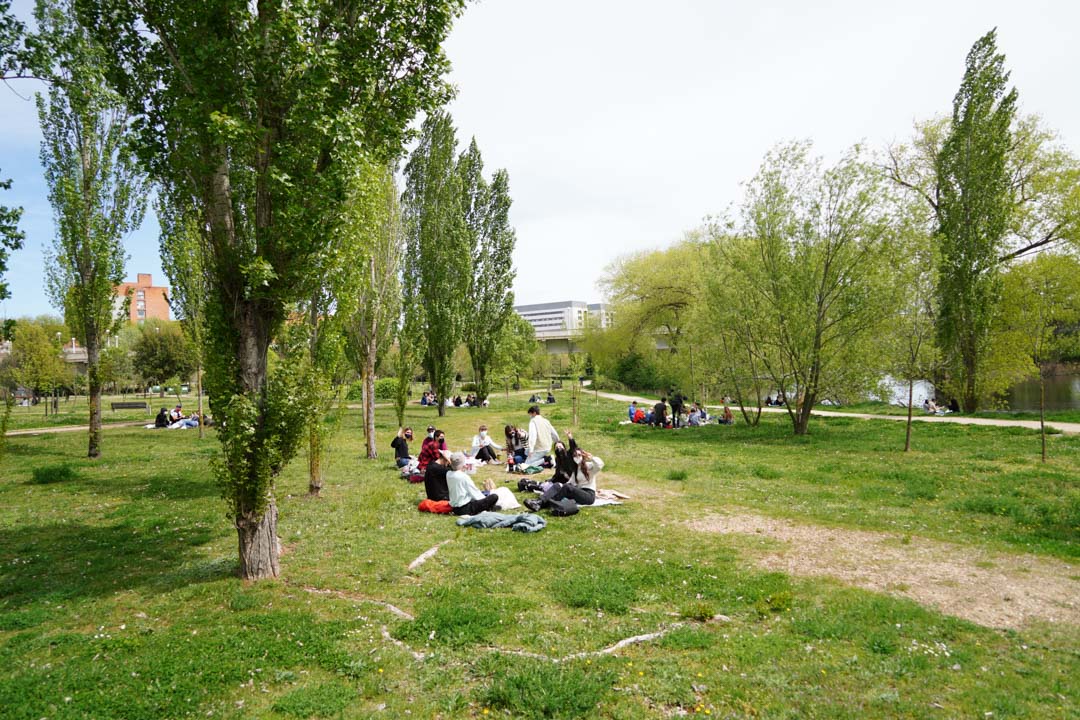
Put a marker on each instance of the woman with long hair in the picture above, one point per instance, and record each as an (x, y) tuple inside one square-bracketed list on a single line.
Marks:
[(581, 486)]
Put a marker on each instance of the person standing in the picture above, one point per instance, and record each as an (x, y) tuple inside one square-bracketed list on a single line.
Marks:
[(676, 408), (541, 437)]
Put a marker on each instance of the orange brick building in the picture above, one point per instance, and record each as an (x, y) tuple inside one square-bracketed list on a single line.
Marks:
[(147, 301)]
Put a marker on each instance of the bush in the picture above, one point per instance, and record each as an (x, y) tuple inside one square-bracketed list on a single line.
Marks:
[(53, 474), (356, 392), (386, 388), (608, 384)]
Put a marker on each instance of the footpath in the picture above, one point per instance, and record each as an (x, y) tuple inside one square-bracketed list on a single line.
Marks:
[(1065, 427)]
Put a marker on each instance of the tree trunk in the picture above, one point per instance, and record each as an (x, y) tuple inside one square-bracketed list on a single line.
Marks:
[(369, 406), (315, 471), (198, 389), (910, 397), (93, 383), (259, 546), (1042, 412), (802, 414)]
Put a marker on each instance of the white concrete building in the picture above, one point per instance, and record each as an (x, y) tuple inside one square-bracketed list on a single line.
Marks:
[(557, 324)]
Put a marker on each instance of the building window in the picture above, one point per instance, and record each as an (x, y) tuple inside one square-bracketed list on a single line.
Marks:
[(141, 295), (141, 314)]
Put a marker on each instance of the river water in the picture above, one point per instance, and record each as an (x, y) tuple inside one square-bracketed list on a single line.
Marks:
[(1062, 393)]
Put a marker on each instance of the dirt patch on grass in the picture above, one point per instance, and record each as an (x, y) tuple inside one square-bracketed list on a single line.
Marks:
[(991, 589)]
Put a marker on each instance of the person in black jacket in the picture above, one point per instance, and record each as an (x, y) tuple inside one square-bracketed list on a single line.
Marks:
[(676, 408), (435, 478), (400, 443), (660, 413), (162, 419)]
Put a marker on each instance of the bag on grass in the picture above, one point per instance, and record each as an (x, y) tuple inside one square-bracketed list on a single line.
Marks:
[(563, 508)]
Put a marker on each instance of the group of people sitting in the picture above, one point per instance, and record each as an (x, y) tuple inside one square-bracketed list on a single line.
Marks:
[(176, 420), (930, 406), (446, 478), (470, 400), (550, 400), (681, 414)]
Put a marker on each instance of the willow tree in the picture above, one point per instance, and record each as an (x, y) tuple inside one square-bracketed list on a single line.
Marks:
[(812, 255), (254, 109), (438, 247), (95, 187), (376, 241), (486, 211)]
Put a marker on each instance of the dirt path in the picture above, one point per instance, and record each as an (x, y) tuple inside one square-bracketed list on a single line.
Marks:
[(1065, 427), (74, 428), (992, 589)]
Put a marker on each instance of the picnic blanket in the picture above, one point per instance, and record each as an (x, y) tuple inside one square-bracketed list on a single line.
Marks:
[(525, 522)]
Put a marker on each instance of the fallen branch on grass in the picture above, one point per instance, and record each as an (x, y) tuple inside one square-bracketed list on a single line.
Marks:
[(394, 609), (426, 555)]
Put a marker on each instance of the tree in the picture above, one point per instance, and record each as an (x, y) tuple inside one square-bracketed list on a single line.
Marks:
[(11, 238), (162, 353), (812, 255), (182, 260), (95, 187), (486, 211), (438, 242), (1041, 300), (377, 240), (253, 110), (35, 360), (973, 215), (516, 351)]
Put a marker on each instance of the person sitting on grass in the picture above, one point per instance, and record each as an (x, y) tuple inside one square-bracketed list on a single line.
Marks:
[(162, 419), (483, 447), (186, 422), (660, 413), (632, 410), (727, 418), (465, 497), (430, 449), (400, 443), (517, 441), (435, 478), (581, 487), (177, 413)]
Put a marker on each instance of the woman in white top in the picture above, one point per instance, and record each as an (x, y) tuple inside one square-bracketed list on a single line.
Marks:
[(483, 447), (581, 487)]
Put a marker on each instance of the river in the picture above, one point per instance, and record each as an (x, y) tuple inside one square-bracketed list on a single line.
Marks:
[(1062, 393)]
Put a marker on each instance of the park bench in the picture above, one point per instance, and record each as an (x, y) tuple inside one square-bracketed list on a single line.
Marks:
[(131, 405)]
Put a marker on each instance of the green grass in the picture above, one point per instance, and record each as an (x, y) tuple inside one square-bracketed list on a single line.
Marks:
[(118, 595), (76, 411)]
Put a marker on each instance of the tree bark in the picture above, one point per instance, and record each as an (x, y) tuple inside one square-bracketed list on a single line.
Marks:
[(910, 397), (93, 383), (315, 470), (259, 546), (1042, 412), (369, 406), (198, 389)]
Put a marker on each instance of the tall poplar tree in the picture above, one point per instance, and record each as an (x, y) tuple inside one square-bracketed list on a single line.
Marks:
[(486, 211), (255, 109), (974, 208), (436, 229), (95, 186)]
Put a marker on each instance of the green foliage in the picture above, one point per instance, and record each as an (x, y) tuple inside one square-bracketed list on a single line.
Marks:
[(804, 277), (543, 690), (486, 210), (438, 245), (451, 617), (35, 361), (386, 388), (49, 474), (163, 353), (973, 212), (11, 238)]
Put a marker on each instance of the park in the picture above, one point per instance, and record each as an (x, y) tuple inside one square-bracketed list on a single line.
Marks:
[(816, 452)]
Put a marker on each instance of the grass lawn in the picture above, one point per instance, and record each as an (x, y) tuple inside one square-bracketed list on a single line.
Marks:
[(118, 596), (76, 411)]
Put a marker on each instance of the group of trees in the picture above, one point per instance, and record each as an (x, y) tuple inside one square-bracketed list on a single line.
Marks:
[(952, 258), (459, 244)]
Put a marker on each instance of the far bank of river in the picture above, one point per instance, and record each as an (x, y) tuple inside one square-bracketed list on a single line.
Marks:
[(1062, 393)]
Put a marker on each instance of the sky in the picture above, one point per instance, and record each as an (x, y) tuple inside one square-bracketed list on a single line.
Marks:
[(624, 123)]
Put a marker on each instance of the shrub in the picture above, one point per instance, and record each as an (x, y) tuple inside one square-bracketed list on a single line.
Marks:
[(607, 385), (386, 388), (53, 474)]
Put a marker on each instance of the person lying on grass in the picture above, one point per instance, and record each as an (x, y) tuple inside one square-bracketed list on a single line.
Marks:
[(581, 487), (465, 497)]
